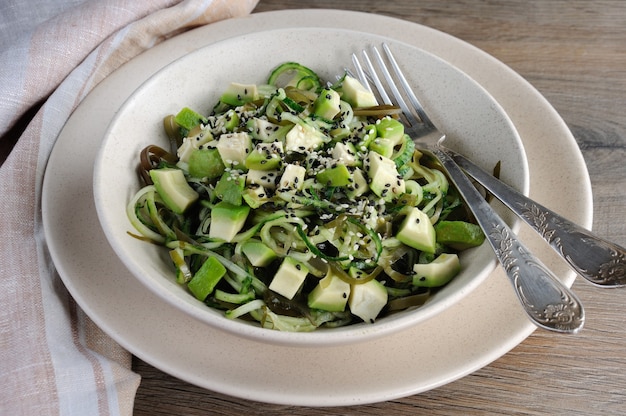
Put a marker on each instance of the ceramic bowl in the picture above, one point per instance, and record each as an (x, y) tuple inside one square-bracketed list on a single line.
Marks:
[(474, 122)]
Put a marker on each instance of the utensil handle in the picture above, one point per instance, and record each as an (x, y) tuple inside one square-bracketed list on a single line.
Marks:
[(599, 261), (547, 301)]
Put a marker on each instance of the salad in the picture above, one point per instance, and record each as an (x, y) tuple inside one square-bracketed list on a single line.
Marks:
[(300, 204)]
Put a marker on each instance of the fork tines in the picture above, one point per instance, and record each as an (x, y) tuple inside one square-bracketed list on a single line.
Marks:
[(369, 76)]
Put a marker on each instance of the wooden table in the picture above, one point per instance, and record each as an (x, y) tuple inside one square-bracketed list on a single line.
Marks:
[(574, 53)]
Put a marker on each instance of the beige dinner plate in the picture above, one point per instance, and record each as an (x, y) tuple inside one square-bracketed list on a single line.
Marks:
[(474, 332)]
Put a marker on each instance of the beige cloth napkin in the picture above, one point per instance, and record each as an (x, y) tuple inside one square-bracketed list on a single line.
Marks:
[(53, 359)]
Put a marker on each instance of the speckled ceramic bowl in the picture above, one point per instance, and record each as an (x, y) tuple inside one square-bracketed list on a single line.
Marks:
[(475, 125)]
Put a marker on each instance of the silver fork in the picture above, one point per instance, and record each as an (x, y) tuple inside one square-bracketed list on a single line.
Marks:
[(546, 300)]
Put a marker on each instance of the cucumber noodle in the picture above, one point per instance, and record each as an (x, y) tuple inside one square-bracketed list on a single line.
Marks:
[(330, 217)]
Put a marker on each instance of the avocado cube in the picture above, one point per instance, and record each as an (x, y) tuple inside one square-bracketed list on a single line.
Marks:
[(384, 177), (345, 153), (382, 146), (265, 156), (417, 231), (356, 94), (230, 120), (367, 136), (238, 94), (358, 186), (172, 187), (264, 178), (367, 300), (205, 163), (193, 143), (337, 175), (331, 294), (289, 277), (230, 188), (303, 138), (438, 272), (327, 104), (266, 131), (258, 253), (390, 129), (188, 118), (255, 196), (293, 177), (227, 220), (234, 148), (206, 278), (459, 235)]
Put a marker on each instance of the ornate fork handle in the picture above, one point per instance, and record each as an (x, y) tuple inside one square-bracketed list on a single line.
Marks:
[(547, 301), (599, 261)]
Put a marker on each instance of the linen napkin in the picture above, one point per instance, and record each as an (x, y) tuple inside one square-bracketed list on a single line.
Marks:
[(53, 359)]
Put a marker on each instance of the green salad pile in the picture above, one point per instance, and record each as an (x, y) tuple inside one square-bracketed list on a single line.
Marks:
[(300, 204)]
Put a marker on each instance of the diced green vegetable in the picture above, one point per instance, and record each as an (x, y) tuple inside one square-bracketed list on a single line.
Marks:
[(385, 180), (234, 148), (173, 188), (289, 277), (230, 188), (227, 220), (237, 94), (205, 163), (206, 278), (459, 235), (337, 175), (327, 104), (356, 94), (390, 129), (367, 300), (258, 253), (438, 272), (303, 137), (188, 118), (417, 231), (265, 156), (330, 294)]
